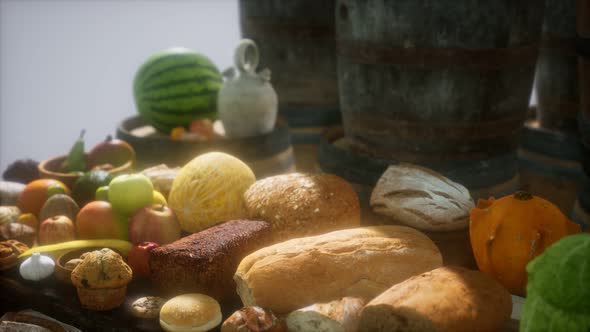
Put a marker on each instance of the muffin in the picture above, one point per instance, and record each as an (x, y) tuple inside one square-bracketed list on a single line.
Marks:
[(101, 279)]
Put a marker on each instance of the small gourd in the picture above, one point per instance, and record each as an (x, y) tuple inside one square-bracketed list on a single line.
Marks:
[(509, 232), (37, 267)]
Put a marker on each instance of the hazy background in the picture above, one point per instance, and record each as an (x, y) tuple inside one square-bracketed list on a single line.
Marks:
[(68, 65)]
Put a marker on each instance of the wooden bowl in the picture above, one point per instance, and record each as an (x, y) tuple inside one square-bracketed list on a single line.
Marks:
[(61, 272), (49, 168)]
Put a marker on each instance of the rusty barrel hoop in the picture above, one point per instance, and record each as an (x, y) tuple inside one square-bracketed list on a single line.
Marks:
[(549, 165)]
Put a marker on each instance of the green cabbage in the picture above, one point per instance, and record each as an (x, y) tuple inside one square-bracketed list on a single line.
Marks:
[(558, 288)]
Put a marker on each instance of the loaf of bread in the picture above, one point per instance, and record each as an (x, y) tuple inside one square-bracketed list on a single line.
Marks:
[(336, 316), (421, 198), (298, 204), (447, 299), (361, 262), (205, 262)]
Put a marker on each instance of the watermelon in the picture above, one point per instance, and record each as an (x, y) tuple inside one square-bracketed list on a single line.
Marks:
[(176, 86)]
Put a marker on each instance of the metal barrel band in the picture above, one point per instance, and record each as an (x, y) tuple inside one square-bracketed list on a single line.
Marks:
[(433, 58), (471, 173), (436, 128), (562, 45), (556, 144)]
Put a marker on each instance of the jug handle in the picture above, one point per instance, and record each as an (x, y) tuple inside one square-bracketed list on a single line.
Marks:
[(246, 56)]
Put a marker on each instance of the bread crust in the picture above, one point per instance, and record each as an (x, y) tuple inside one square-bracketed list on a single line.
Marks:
[(360, 262), (205, 262), (445, 299), (299, 204), (421, 198), (341, 315), (190, 312)]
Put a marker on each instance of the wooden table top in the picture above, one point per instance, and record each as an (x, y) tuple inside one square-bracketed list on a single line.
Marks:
[(60, 301)]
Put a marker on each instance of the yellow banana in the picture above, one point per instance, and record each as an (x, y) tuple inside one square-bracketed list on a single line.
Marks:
[(55, 250)]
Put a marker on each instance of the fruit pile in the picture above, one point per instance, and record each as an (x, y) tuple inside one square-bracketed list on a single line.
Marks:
[(107, 155)]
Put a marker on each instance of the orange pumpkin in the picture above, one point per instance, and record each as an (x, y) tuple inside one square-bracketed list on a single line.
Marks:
[(508, 232)]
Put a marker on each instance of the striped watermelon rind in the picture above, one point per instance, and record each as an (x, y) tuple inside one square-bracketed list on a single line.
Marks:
[(175, 86)]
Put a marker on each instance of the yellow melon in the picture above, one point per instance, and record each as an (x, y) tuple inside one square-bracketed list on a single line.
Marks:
[(210, 189)]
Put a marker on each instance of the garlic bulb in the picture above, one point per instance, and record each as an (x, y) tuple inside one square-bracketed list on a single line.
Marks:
[(37, 267)]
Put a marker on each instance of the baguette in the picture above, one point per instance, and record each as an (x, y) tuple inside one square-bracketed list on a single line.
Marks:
[(361, 262), (447, 299), (336, 316)]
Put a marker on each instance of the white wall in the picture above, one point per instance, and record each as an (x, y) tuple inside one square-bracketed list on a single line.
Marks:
[(67, 65)]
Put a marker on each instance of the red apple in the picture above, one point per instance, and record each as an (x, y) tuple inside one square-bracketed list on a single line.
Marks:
[(56, 229), (111, 151), (139, 259), (98, 220), (154, 223)]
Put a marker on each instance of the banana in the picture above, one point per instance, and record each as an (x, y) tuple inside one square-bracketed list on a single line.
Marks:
[(56, 250), (76, 160)]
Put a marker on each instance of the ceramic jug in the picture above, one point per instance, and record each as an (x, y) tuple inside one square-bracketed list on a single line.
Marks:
[(247, 102)]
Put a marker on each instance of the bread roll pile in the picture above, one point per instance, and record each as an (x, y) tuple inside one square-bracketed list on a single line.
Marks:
[(304, 258)]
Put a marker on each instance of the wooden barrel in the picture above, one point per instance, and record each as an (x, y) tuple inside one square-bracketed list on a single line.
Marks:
[(583, 48), (493, 177), (426, 80), (556, 76), (305, 128), (581, 210), (267, 155), (296, 42), (550, 165)]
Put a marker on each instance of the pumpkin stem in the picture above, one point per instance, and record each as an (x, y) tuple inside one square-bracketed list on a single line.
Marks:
[(523, 195)]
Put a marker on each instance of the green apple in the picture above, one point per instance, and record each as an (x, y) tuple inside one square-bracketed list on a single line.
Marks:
[(130, 192), (102, 194)]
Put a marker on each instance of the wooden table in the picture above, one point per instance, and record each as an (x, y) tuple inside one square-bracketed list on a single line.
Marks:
[(60, 301)]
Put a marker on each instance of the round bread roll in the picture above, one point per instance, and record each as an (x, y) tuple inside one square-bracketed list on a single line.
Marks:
[(299, 204), (190, 313)]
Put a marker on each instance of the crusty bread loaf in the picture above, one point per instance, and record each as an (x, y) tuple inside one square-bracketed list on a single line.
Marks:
[(444, 300), (299, 204), (421, 198), (341, 315), (361, 262), (205, 262)]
